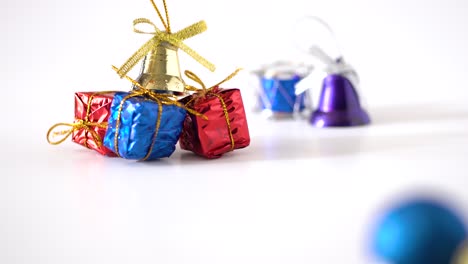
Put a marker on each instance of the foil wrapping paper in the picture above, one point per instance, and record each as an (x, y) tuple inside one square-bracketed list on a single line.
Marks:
[(278, 95), (99, 112), (134, 138), (212, 138)]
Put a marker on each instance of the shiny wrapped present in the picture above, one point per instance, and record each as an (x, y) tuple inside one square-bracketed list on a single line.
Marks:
[(225, 127), (276, 94), (92, 110), (143, 125)]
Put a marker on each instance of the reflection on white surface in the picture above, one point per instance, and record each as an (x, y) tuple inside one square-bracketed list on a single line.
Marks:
[(301, 194), (298, 194), (320, 123)]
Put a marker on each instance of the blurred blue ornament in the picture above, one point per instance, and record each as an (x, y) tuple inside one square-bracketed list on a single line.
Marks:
[(419, 231)]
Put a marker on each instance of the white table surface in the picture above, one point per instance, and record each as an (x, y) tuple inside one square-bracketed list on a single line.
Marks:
[(298, 194)]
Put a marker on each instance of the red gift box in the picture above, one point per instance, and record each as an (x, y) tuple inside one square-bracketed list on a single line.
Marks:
[(225, 128), (93, 108)]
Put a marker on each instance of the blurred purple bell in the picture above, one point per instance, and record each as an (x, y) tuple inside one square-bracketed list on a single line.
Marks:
[(339, 104)]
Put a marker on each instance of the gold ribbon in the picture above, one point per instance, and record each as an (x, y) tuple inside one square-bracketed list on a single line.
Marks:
[(78, 125), (160, 99), (203, 92), (176, 39)]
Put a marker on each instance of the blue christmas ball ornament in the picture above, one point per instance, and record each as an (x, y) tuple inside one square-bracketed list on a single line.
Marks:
[(419, 231)]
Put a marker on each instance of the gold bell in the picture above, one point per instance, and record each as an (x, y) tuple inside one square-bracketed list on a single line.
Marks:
[(161, 70)]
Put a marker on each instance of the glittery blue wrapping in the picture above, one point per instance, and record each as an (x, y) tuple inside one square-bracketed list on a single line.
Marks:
[(138, 125), (279, 95)]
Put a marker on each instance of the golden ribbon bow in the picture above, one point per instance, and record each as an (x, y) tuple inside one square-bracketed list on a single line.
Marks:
[(79, 124), (160, 99), (176, 39), (209, 91), (203, 91)]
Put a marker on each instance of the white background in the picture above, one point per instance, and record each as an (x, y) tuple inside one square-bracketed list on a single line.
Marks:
[(297, 195)]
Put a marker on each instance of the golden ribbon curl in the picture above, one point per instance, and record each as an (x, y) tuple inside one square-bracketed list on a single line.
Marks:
[(203, 92), (160, 99), (176, 39), (78, 125)]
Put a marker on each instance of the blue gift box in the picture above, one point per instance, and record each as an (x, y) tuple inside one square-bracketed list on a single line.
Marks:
[(136, 128), (279, 95)]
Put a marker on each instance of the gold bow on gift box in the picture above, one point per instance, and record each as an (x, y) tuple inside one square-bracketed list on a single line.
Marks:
[(204, 91), (79, 124), (161, 70), (160, 98)]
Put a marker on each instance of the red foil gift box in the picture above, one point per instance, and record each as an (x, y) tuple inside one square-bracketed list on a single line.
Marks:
[(225, 127), (93, 108)]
